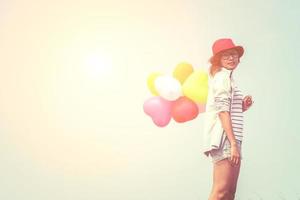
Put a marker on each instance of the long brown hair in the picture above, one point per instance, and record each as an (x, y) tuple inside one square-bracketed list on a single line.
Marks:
[(215, 64)]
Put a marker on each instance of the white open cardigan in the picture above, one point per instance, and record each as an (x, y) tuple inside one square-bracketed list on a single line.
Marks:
[(220, 88)]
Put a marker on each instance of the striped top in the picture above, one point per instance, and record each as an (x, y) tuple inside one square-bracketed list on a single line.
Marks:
[(237, 117)]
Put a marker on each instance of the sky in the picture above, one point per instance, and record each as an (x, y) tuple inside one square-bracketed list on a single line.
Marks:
[(74, 79)]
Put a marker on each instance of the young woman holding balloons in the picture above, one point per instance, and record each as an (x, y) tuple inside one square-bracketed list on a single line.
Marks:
[(223, 129)]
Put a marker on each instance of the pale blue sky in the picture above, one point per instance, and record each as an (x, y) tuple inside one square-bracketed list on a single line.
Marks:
[(70, 131)]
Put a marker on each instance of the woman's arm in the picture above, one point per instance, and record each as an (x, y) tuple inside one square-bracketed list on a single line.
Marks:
[(222, 97), (227, 126)]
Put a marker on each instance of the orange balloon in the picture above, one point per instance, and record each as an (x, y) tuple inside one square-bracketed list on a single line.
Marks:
[(184, 109), (182, 71)]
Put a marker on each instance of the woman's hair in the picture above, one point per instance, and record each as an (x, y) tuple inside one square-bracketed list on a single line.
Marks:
[(215, 64)]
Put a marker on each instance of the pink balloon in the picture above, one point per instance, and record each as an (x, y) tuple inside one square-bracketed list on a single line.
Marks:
[(201, 107), (184, 109), (159, 110)]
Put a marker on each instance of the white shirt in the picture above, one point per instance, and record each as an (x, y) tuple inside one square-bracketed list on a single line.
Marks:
[(223, 95)]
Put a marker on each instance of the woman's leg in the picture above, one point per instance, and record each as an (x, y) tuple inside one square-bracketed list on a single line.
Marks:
[(224, 180), (236, 172)]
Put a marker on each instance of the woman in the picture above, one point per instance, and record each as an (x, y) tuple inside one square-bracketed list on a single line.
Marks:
[(223, 132)]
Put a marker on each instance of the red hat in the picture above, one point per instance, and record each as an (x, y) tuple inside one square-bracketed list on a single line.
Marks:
[(223, 44)]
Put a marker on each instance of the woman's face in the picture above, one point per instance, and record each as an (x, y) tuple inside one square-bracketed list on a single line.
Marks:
[(230, 59)]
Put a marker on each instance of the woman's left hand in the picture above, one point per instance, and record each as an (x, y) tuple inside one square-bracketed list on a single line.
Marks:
[(247, 102)]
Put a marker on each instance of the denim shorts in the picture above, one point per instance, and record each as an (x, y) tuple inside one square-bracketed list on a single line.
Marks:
[(224, 151)]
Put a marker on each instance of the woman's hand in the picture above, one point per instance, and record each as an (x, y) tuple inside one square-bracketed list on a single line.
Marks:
[(247, 102), (235, 154)]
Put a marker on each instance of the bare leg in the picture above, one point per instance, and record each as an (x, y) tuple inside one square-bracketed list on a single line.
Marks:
[(224, 180), (236, 172)]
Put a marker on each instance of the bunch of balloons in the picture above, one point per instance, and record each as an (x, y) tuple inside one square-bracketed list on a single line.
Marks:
[(181, 96)]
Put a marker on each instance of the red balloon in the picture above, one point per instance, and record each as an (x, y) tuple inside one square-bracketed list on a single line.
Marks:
[(184, 109)]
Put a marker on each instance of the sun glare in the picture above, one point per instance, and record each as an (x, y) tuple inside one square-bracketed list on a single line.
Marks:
[(97, 65)]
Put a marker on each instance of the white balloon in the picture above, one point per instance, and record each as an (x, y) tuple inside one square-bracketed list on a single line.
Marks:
[(168, 87)]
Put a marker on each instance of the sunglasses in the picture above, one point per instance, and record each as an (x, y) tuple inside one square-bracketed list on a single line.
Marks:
[(226, 56)]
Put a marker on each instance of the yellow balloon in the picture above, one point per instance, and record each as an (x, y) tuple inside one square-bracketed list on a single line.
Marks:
[(150, 82), (182, 71), (196, 86)]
